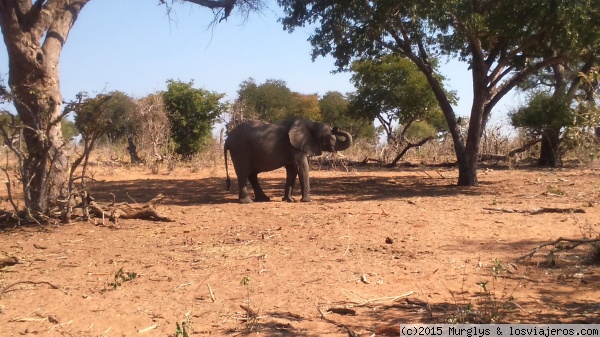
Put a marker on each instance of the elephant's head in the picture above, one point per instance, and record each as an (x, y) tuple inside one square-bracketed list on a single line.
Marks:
[(313, 138)]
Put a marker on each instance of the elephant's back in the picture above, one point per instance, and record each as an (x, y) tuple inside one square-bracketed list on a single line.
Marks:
[(264, 146)]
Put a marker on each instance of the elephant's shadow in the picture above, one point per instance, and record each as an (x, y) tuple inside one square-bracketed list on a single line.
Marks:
[(362, 187)]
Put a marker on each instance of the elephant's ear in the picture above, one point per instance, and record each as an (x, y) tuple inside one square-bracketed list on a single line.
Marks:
[(303, 138)]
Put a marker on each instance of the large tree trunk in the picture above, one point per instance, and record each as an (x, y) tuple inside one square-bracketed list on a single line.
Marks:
[(34, 35), (549, 150)]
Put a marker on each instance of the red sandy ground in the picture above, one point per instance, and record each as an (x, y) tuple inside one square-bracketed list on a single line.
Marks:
[(396, 246)]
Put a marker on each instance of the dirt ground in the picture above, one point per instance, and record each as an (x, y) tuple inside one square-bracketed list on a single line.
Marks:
[(376, 248)]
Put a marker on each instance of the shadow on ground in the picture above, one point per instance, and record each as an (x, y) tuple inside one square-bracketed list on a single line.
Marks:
[(335, 189)]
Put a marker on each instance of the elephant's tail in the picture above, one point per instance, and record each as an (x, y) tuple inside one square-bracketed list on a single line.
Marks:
[(227, 181)]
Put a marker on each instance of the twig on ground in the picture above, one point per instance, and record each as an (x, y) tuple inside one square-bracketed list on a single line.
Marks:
[(339, 325), (571, 244), (212, 296), (152, 327), (537, 210), (184, 285), (5, 289), (380, 300)]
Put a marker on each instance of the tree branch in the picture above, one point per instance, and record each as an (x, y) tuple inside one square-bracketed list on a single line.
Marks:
[(572, 243), (408, 147)]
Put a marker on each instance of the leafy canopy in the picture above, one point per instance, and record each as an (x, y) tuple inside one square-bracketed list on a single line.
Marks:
[(395, 87), (273, 101), (336, 111), (192, 113)]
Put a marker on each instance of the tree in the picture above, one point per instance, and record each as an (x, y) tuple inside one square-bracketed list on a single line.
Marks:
[(192, 113), (503, 42), (153, 129), (117, 111), (121, 110), (34, 33), (270, 101), (559, 93), (304, 106), (335, 111), (393, 90), (273, 101), (544, 116)]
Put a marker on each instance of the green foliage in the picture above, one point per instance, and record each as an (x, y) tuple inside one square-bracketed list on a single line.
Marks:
[(8, 122), (543, 111), (392, 90), (420, 130), (335, 111), (394, 85), (192, 113), (91, 118), (269, 101), (305, 106), (106, 115), (503, 43), (181, 330), (121, 277), (69, 130), (273, 101)]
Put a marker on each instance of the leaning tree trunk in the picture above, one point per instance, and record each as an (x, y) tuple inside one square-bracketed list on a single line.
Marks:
[(549, 149), (34, 35)]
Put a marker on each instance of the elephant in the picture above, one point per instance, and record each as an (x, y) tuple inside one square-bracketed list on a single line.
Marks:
[(257, 147)]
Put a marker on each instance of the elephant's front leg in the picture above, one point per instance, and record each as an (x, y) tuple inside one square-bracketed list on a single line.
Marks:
[(290, 181), (302, 163)]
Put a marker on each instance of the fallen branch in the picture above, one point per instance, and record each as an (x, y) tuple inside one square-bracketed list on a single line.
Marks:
[(571, 244), (5, 289), (510, 154), (536, 210), (115, 211)]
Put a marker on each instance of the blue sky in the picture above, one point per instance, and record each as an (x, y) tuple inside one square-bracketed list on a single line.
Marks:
[(134, 47)]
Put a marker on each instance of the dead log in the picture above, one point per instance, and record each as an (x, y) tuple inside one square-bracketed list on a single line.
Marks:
[(124, 210)]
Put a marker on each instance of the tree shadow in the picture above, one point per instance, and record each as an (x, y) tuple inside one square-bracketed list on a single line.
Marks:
[(324, 189)]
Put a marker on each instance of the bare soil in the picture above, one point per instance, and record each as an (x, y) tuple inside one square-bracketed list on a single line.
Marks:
[(376, 248)]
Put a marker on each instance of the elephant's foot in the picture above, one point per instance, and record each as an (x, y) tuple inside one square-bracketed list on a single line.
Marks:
[(245, 200), (288, 199), (262, 198), (306, 199)]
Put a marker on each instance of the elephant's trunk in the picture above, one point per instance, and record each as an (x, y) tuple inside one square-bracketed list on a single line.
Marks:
[(341, 145)]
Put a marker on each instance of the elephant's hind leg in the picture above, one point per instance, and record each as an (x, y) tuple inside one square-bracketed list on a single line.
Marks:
[(290, 181), (259, 194), (243, 190)]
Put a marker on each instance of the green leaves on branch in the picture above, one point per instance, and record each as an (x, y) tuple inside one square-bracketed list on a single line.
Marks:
[(106, 115), (543, 112), (192, 113), (273, 101), (336, 111), (392, 89)]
